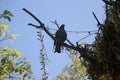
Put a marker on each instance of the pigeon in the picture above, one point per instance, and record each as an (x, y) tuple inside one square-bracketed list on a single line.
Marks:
[(60, 37)]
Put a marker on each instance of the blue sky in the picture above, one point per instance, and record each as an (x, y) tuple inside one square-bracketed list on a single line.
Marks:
[(75, 14)]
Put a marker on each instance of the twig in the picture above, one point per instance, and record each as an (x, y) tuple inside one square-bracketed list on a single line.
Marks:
[(80, 50), (86, 37), (7, 36), (33, 16), (70, 42), (34, 25), (55, 22), (96, 19), (41, 24)]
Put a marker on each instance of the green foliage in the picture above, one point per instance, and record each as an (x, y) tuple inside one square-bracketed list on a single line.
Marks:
[(106, 49), (4, 32), (3, 29), (13, 64), (75, 71), (43, 57), (6, 15), (101, 58)]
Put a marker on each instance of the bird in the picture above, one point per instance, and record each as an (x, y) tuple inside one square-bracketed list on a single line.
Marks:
[(60, 37)]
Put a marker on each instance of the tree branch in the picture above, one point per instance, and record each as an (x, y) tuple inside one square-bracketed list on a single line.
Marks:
[(98, 22), (33, 16), (44, 27), (55, 22), (41, 24), (77, 48)]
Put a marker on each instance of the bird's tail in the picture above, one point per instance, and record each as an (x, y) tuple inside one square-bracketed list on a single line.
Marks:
[(58, 49)]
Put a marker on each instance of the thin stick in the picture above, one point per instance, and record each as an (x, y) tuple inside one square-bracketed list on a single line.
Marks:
[(96, 18), (55, 22), (33, 16), (41, 24)]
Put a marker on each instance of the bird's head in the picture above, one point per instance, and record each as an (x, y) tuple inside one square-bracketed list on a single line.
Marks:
[(62, 27)]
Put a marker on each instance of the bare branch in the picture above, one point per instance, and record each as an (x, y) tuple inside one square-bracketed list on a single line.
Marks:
[(71, 46), (41, 24), (70, 42), (55, 22), (33, 16), (86, 37), (45, 29), (34, 25), (96, 18)]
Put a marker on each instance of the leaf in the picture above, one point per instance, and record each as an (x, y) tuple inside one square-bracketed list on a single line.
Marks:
[(20, 71), (10, 14), (6, 12), (18, 54), (16, 69), (5, 72), (25, 75), (41, 69), (8, 18)]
